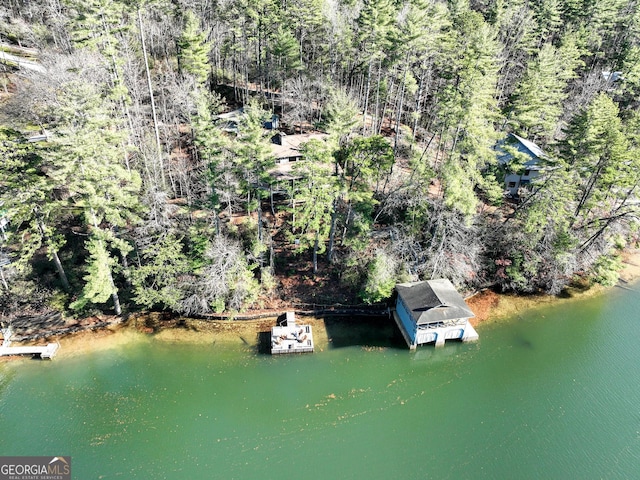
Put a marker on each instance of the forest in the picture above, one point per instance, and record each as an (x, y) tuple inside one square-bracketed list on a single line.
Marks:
[(137, 166)]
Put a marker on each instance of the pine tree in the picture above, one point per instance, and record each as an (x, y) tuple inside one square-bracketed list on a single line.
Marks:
[(315, 192), (193, 51), (597, 149), (99, 284), (213, 150), (253, 155), (87, 165), (28, 201), (375, 35), (468, 111), (548, 16), (157, 281), (537, 102)]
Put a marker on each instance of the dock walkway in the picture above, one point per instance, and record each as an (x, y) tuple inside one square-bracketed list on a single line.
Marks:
[(49, 351), (43, 351)]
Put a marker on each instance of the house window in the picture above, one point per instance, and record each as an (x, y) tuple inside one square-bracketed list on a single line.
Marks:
[(511, 185), (527, 172)]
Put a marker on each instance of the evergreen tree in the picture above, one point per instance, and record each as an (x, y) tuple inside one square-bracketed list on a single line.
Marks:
[(253, 155), (87, 165), (599, 152), (468, 112), (548, 16), (193, 51), (157, 281), (28, 201), (213, 151), (375, 34), (315, 192), (537, 102), (540, 249), (340, 116), (99, 284)]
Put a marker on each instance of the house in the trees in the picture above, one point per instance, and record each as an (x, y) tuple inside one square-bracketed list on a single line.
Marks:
[(229, 121), (288, 148), (530, 157), (432, 312)]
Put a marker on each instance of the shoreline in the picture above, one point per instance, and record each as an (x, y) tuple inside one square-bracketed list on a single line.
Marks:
[(106, 332), (493, 307)]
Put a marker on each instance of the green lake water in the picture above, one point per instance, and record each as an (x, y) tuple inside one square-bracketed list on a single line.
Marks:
[(551, 394)]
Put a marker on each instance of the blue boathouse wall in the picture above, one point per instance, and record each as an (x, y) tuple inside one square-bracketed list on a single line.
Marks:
[(408, 324)]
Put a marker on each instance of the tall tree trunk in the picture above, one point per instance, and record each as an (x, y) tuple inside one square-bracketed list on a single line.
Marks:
[(61, 272), (116, 300), (4, 281), (399, 112), (153, 103), (315, 253), (418, 106), (377, 121), (366, 98), (56, 259), (332, 231)]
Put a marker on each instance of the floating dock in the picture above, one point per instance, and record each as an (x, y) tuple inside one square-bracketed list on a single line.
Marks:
[(291, 338), (44, 351)]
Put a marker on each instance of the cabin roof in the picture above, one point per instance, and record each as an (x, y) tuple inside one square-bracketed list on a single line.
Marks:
[(525, 146), (533, 149), (291, 145), (433, 301)]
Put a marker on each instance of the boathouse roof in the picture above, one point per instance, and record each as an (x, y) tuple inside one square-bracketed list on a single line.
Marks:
[(433, 301)]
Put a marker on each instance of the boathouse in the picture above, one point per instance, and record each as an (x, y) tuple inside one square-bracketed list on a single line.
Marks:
[(431, 312), (291, 338)]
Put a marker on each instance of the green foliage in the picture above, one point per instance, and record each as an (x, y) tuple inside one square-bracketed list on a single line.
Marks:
[(537, 102), (214, 149), (367, 161), (313, 194), (340, 116), (437, 75), (25, 195), (99, 282), (253, 155), (193, 51), (381, 278), (156, 283), (375, 26), (287, 51), (598, 150), (459, 188), (606, 270), (468, 109)]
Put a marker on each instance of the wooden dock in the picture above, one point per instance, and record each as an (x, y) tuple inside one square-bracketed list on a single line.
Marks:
[(43, 351), (291, 338)]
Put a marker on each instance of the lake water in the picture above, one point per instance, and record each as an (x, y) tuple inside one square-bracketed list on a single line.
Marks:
[(552, 394)]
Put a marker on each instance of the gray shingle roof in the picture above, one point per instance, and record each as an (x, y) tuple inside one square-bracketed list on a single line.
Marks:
[(433, 301)]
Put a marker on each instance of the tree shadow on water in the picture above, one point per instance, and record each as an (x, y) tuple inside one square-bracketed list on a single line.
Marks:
[(363, 331)]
